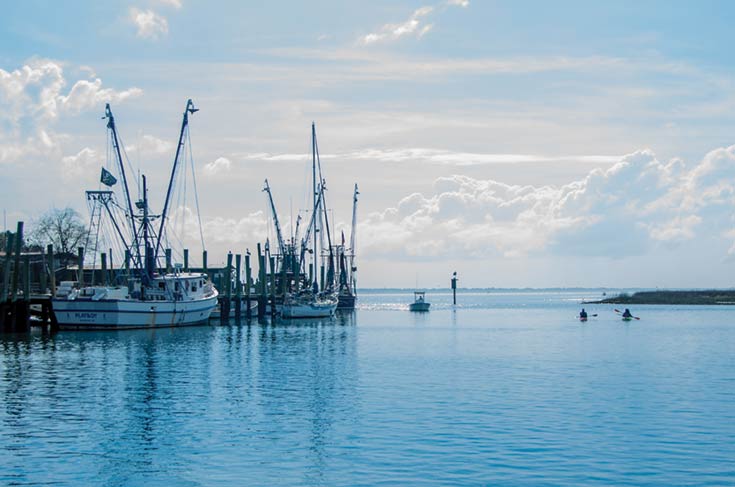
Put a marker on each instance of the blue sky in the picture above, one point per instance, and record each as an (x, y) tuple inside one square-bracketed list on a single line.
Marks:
[(490, 137)]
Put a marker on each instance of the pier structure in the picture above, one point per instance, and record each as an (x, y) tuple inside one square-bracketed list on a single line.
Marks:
[(30, 280)]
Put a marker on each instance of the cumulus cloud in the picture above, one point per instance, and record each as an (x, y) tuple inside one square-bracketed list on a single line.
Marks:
[(459, 3), (250, 228), (151, 145), (219, 165), (34, 97), (149, 24), (85, 162), (86, 94), (171, 3), (628, 209)]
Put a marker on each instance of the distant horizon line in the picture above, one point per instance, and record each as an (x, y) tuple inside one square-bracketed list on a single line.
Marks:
[(530, 289)]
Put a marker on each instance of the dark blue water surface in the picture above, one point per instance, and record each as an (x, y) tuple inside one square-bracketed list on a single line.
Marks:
[(507, 389)]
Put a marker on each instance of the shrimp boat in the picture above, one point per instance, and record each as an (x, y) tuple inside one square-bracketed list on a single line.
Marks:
[(330, 281), (142, 295)]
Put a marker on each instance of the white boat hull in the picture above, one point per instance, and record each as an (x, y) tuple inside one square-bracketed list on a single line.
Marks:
[(308, 310), (86, 314), (419, 307)]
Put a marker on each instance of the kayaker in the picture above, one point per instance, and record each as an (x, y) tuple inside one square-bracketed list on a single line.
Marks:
[(626, 313), (583, 314)]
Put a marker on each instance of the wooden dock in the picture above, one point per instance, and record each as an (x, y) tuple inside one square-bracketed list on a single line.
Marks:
[(30, 281)]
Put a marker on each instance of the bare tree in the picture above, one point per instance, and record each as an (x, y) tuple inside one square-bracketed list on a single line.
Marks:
[(64, 228)]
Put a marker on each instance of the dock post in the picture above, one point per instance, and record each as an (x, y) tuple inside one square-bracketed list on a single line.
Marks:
[(51, 268), (127, 264), (103, 264), (27, 278), (248, 312), (204, 262), (80, 263), (186, 260), (16, 267), (273, 284), (6, 268), (311, 275), (42, 276), (225, 308), (168, 261), (238, 287), (262, 300), (321, 277)]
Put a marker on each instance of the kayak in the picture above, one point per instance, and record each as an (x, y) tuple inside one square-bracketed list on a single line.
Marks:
[(627, 318), (583, 318)]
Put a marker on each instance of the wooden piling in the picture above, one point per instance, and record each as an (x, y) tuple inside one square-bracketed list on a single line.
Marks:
[(26, 278), (51, 268), (226, 302), (248, 312), (186, 260), (273, 284), (204, 261), (103, 264), (262, 300), (43, 276), (238, 286), (168, 261), (16, 266), (6, 268), (80, 263)]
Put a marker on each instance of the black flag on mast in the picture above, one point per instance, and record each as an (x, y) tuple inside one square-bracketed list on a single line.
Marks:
[(107, 178)]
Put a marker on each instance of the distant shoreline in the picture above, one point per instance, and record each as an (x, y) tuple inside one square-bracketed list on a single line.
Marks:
[(688, 297)]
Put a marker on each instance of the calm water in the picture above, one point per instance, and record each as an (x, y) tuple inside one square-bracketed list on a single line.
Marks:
[(508, 389)]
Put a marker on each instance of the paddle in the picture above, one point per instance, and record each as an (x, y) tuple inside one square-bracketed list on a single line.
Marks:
[(620, 312), (589, 316)]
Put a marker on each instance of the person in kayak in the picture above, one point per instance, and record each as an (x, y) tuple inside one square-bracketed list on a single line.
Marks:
[(627, 314), (583, 314)]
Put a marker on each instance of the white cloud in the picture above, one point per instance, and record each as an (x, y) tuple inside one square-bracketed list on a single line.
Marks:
[(32, 101), (83, 163), (219, 165), (628, 209), (434, 156), (171, 3), (459, 3), (415, 26), (149, 24), (86, 94), (150, 145)]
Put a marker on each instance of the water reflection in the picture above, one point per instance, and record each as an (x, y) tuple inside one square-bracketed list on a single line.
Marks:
[(129, 406)]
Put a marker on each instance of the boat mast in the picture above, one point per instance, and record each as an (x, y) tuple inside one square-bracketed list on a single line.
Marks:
[(148, 257), (352, 238), (184, 123), (116, 145), (316, 196), (279, 235)]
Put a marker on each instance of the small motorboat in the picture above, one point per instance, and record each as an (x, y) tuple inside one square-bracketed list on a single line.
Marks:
[(419, 302)]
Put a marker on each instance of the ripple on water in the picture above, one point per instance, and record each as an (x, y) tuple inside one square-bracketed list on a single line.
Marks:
[(505, 390)]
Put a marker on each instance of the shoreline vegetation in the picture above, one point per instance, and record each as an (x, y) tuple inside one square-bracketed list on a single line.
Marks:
[(689, 297), (639, 296)]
